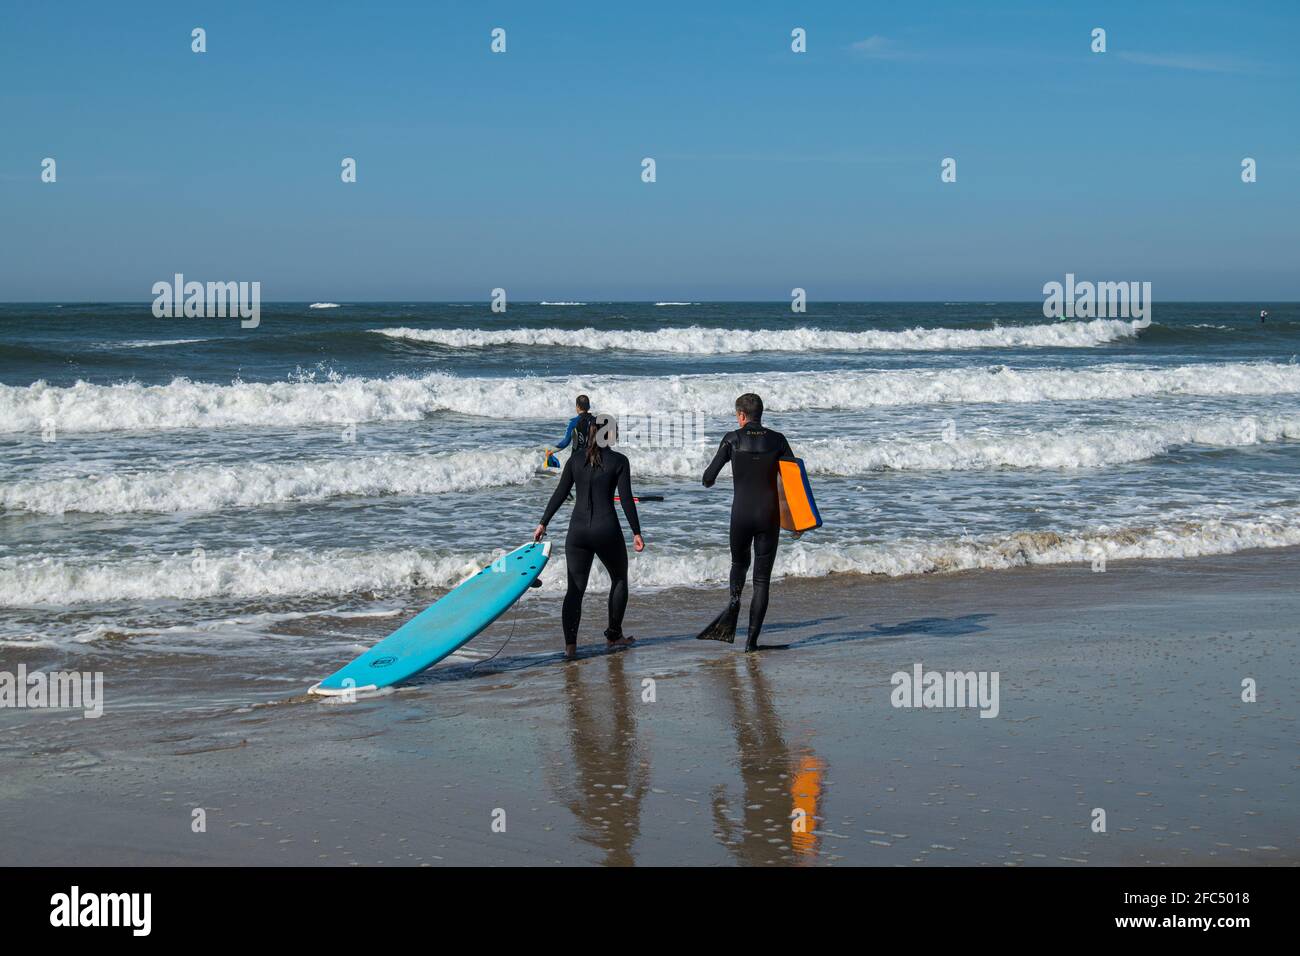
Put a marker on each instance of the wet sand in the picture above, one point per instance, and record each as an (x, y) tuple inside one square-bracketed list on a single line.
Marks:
[(1118, 690)]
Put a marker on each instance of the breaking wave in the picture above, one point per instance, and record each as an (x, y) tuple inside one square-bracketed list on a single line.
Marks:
[(215, 487), (319, 572), (714, 341), (86, 407)]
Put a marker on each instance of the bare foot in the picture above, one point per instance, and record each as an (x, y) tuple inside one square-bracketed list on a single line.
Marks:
[(621, 642), (570, 652)]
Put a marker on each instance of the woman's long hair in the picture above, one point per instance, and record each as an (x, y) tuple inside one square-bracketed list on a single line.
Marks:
[(599, 424), (593, 449)]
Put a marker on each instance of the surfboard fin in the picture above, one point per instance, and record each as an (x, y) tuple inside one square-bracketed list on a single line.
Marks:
[(723, 627)]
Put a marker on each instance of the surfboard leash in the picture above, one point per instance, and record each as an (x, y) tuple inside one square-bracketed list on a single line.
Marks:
[(513, 621)]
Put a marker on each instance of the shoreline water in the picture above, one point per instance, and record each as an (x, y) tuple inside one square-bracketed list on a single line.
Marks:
[(1118, 690)]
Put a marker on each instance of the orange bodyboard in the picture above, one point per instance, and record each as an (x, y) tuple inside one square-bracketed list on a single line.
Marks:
[(798, 509)]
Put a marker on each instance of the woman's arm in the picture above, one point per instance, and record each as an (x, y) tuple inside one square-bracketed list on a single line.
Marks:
[(560, 494), (625, 496)]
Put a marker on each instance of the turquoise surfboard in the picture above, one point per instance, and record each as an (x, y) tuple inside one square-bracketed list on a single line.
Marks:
[(443, 626)]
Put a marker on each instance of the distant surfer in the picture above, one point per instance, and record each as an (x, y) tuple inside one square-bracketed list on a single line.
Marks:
[(1263, 314), (754, 452), (597, 473), (576, 431)]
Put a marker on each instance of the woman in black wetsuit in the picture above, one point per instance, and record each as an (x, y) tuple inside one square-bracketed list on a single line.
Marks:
[(599, 473)]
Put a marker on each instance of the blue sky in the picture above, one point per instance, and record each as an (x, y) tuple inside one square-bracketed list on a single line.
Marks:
[(775, 170)]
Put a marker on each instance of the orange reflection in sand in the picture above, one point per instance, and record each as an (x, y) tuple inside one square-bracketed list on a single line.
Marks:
[(806, 794)]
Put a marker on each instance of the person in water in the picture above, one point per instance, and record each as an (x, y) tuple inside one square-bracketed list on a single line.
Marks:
[(576, 431), (598, 473), (754, 452)]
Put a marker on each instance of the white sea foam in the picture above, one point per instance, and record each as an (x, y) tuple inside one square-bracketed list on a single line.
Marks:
[(259, 483), (150, 343), (561, 303), (323, 305), (696, 340), (268, 573), (84, 407), (1099, 447)]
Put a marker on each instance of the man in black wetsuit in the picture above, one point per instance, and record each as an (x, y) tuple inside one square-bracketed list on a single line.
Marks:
[(755, 514), (578, 427), (576, 431)]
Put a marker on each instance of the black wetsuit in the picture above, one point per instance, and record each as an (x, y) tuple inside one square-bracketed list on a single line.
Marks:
[(579, 425), (594, 532), (755, 512)]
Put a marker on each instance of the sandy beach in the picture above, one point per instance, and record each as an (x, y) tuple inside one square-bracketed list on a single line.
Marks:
[(1119, 690)]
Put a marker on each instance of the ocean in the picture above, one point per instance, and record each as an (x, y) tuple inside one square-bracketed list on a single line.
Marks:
[(189, 487)]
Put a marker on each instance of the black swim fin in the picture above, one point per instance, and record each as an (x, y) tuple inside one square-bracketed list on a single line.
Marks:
[(723, 627)]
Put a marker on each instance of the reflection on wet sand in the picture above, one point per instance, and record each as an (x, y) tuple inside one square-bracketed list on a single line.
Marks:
[(610, 775), (782, 791)]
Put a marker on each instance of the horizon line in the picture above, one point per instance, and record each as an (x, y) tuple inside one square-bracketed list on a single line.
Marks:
[(488, 302)]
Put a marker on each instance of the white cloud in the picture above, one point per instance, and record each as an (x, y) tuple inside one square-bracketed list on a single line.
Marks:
[(877, 47)]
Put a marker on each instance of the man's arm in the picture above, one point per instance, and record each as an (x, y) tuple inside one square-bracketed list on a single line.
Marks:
[(721, 458), (568, 434)]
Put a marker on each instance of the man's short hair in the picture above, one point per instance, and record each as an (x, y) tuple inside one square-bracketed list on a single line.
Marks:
[(751, 406), (584, 403)]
